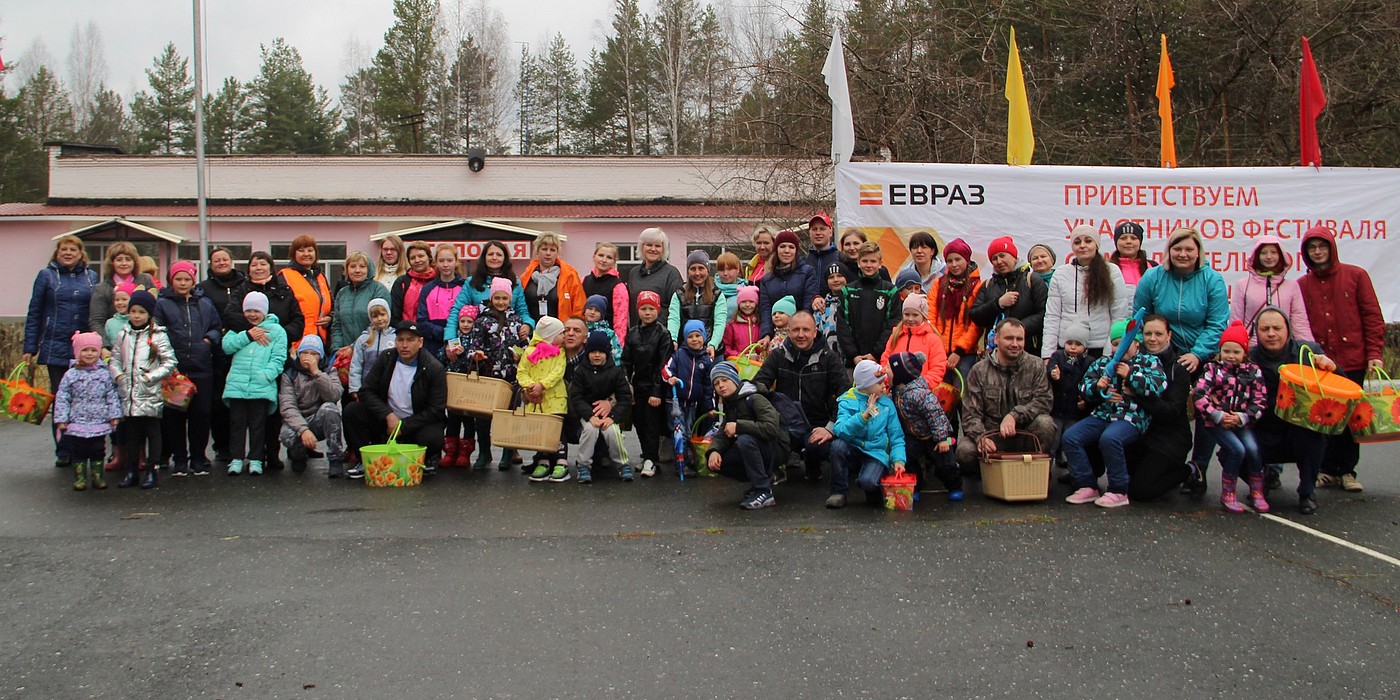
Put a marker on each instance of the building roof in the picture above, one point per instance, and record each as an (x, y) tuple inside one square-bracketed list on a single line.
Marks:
[(557, 211)]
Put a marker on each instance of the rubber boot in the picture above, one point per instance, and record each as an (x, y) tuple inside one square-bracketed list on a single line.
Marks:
[(118, 459), (508, 458), (95, 476), (464, 453), (80, 475), (133, 476), (148, 481), (1227, 495), (1256, 494), (449, 451), (483, 455)]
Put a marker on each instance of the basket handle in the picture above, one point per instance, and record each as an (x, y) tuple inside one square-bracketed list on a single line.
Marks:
[(19, 369), (521, 403), (394, 435), (1019, 433), (1312, 362), (1378, 372)]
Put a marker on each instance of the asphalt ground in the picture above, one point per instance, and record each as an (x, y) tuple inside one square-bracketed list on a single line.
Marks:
[(479, 584)]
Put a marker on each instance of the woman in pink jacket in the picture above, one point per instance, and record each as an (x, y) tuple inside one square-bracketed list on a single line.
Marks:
[(1267, 284)]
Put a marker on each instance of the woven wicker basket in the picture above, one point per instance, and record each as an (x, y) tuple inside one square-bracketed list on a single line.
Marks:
[(475, 394), (1017, 476), (526, 430)]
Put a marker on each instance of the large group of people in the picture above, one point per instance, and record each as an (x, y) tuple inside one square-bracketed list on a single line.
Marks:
[(813, 363)]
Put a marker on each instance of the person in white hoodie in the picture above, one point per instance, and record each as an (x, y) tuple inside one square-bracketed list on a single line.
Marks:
[(1085, 293), (1267, 285)]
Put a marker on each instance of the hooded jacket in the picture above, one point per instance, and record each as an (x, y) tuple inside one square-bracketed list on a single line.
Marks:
[(1225, 388), (1065, 307), (798, 281), (350, 313), (482, 297), (1021, 389), (648, 350), (543, 364), (739, 333), (880, 436), (1196, 305), (1269, 364), (959, 332), (865, 316), (101, 308), (935, 270), (1255, 291), (753, 414), (365, 352), (693, 369), (1343, 310), (437, 309), (921, 338), (280, 303), (1066, 388), (598, 382), (87, 401), (190, 322), (255, 367), (300, 395), (568, 297), (1029, 308), (58, 307), (141, 358), (921, 413), (1145, 378), (813, 379)]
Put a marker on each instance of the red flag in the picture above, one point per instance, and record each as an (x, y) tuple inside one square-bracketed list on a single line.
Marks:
[(2, 64), (1311, 101)]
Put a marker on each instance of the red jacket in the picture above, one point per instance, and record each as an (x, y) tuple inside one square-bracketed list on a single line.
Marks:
[(1342, 307), (921, 338)]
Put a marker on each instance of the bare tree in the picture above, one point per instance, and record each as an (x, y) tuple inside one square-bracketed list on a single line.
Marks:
[(87, 72)]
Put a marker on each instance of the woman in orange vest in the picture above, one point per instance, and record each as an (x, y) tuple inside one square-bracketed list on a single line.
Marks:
[(309, 286), (552, 286)]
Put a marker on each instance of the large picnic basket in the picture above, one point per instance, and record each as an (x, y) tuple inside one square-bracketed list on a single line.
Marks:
[(1016, 476), (525, 428), (475, 394)]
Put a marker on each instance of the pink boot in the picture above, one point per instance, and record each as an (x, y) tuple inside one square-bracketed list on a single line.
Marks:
[(1227, 495), (1256, 494)]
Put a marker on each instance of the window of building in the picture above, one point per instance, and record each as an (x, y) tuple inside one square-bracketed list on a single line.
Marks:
[(628, 257), (331, 255)]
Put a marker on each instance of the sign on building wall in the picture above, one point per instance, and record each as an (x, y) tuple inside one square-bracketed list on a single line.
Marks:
[(1231, 207), (471, 250)]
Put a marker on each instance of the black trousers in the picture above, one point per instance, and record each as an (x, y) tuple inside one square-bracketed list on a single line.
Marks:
[(247, 428), (362, 428), (925, 461), (138, 429), (187, 431), (56, 373), (219, 411), (650, 423), (85, 449)]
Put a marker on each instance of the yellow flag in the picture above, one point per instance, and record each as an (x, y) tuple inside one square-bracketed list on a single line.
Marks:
[(1166, 80), (1020, 142)]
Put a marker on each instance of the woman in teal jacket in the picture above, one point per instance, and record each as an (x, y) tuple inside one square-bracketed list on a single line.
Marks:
[(1190, 295), (869, 437)]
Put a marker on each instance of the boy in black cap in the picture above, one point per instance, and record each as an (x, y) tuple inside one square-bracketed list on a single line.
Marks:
[(600, 381)]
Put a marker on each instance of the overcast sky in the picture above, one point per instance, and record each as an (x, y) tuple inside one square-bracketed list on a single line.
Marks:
[(135, 31)]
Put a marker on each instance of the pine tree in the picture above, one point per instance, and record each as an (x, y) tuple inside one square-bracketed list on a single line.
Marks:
[(558, 97), (227, 118), (291, 114), (407, 72), (619, 81), (23, 165), (45, 113), (108, 122), (165, 116), (364, 133), (467, 99)]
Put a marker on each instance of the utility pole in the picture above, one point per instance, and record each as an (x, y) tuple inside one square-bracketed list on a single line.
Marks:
[(201, 205), (415, 121)]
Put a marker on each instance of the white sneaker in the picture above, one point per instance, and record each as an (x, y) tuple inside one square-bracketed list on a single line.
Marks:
[(648, 468)]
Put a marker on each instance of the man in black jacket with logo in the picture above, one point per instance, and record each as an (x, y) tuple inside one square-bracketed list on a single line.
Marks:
[(406, 389), (812, 375)]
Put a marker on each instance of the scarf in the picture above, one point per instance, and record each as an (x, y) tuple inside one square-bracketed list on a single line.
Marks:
[(545, 280), (543, 351), (416, 280), (953, 295)]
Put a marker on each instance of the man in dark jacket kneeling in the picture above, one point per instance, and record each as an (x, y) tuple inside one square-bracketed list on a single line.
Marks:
[(407, 389)]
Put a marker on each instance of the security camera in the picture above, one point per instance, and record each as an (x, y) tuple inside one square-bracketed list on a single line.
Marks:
[(476, 159)]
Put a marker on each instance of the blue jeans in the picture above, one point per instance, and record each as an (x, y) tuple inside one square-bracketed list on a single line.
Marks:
[(1237, 448), (749, 459), (1205, 441), (868, 469), (1112, 438)]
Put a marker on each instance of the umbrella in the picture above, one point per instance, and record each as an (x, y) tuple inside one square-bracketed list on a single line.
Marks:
[(678, 428)]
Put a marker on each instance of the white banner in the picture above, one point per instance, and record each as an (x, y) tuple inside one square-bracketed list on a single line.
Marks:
[(1231, 207)]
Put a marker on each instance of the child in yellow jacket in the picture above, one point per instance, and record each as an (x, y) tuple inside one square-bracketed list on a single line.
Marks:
[(541, 378)]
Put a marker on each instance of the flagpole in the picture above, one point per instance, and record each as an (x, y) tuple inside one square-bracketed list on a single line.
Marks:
[(201, 204)]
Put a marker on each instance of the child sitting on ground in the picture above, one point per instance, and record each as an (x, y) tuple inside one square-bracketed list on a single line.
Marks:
[(750, 444), (309, 403), (648, 350), (1118, 420), (594, 314), (867, 424), (1230, 396), (251, 387), (541, 377), (782, 315), (460, 439), (85, 409), (928, 434), (689, 372), (600, 380), (1067, 367), (141, 358)]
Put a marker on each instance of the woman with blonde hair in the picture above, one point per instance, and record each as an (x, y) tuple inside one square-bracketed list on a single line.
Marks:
[(655, 274), (58, 308), (118, 268), (350, 312), (605, 281), (552, 286), (763, 241), (391, 262)]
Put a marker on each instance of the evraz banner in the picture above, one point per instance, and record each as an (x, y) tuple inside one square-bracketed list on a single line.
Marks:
[(1231, 207)]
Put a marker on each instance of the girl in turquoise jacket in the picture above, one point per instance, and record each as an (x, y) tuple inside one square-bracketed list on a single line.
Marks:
[(251, 387)]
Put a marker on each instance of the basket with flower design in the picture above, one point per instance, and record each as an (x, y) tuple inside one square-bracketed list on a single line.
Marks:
[(1311, 398), (22, 400), (1377, 414)]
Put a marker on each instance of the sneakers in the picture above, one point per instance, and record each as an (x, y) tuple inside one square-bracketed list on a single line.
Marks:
[(836, 500), (255, 467), (559, 475), (199, 468), (541, 473), (585, 474), (954, 496), (1112, 500), (1327, 480), (1195, 484), (648, 468), (1307, 504), (235, 467), (626, 471), (1349, 483), (1088, 494), (356, 471), (180, 469), (757, 499)]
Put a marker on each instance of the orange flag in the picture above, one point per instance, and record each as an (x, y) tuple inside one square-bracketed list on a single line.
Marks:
[(1166, 80)]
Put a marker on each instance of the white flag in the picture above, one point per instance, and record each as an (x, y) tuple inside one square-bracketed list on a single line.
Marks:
[(843, 129)]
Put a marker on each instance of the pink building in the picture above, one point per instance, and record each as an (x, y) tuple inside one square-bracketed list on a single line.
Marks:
[(263, 202)]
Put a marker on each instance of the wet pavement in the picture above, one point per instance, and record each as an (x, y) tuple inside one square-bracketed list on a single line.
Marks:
[(479, 584)]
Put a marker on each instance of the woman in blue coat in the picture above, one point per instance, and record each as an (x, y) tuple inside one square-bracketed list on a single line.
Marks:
[(195, 329), (58, 308), (786, 276)]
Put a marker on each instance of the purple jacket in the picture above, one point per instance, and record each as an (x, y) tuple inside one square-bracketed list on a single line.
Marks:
[(87, 401)]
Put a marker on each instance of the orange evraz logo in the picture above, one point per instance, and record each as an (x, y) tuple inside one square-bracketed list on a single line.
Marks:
[(922, 194)]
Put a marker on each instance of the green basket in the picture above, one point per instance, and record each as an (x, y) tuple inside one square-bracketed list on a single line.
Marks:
[(392, 464)]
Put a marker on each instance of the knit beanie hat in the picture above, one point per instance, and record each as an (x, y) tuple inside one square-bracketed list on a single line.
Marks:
[(906, 277), (697, 257), (1128, 228), (726, 370), (835, 268), (866, 374), (127, 288), (143, 299), (500, 284), (648, 299), (255, 301), (548, 328), (312, 343), (694, 325), (1002, 245), (599, 302), (470, 311), (376, 302), (183, 266), (905, 367), (598, 341), (748, 293), (1048, 250), (787, 237), (1078, 332), (1119, 327), (1237, 334), (786, 305), (957, 246), (917, 302), (86, 340)]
